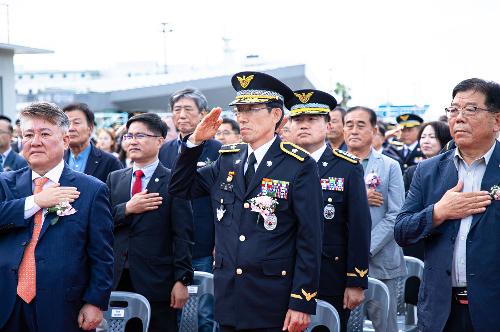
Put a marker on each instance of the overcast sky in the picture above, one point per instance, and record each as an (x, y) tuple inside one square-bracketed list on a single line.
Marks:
[(404, 52)]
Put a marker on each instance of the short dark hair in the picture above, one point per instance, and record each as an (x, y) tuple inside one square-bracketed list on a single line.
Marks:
[(89, 115), (199, 99), (489, 88), (342, 113), (234, 125), (381, 127), (275, 104), (6, 118), (152, 121), (371, 113), (440, 128)]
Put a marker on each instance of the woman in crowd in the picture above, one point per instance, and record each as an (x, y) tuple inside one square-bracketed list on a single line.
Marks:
[(433, 137), (106, 140)]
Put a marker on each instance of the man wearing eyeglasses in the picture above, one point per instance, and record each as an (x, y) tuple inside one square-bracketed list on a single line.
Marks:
[(153, 231), (188, 107), (454, 207), (229, 132), (267, 208)]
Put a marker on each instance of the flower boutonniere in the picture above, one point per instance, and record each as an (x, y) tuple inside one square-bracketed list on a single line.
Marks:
[(495, 193), (265, 206), (204, 163), (60, 210), (372, 180)]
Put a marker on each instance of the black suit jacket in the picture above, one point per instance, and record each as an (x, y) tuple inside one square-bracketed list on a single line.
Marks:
[(99, 163), (14, 161), (204, 228), (157, 243)]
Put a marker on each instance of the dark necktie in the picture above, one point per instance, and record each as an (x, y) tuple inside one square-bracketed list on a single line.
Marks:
[(1, 163), (250, 170), (137, 186)]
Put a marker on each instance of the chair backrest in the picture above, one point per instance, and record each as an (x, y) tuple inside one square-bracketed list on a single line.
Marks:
[(203, 283), (415, 268), (326, 315), (124, 306), (377, 291)]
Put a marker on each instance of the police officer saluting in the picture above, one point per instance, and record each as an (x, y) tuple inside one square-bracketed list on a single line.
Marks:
[(267, 212), (407, 151), (346, 215)]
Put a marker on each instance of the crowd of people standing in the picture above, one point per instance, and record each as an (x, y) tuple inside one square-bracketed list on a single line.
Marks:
[(282, 208)]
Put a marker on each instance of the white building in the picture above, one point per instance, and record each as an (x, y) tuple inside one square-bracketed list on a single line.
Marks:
[(7, 76)]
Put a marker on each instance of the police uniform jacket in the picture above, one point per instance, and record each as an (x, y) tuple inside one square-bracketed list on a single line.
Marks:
[(346, 238), (258, 273), (396, 152)]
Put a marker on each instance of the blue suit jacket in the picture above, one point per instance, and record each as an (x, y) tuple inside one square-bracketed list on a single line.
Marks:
[(74, 257), (204, 229), (14, 161), (432, 179), (99, 164)]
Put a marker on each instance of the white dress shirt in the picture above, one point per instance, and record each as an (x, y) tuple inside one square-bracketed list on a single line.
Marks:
[(318, 153), (472, 176), (259, 153), (30, 207)]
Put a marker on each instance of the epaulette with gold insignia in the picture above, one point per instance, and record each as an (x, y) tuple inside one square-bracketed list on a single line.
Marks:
[(294, 150), (346, 156), (229, 148)]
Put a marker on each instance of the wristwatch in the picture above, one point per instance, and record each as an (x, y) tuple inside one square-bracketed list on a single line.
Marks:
[(185, 280)]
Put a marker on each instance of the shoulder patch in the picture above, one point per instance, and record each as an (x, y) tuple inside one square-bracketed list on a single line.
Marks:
[(229, 148), (294, 150), (346, 156)]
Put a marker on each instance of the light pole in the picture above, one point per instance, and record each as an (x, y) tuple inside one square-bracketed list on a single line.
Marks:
[(8, 23), (165, 30)]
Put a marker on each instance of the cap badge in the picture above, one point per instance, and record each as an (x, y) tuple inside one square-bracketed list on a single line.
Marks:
[(404, 117), (304, 97), (245, 81)]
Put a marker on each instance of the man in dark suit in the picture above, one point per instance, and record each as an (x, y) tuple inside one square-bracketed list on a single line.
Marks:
[(346, 215), (65, 284), (335, 133), (82, 155), (188, 108), (453, 206), (267, 263), (406, 151), (153, 231), (9, 159)]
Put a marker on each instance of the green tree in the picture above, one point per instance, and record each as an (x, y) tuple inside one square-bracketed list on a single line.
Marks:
[(343, 91)]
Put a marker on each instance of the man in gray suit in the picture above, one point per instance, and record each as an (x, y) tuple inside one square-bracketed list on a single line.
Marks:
[(385, 191)]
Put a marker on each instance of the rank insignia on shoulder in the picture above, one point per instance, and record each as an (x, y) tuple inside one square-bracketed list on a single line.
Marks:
[(396, 143), (294, 150), (332, 184), (346, 156), (275, 188), (231, 148)]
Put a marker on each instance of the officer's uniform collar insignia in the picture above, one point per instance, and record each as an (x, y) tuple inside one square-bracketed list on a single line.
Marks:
[(346, 156)]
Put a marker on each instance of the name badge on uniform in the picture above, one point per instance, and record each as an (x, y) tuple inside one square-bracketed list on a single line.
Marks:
[(332, 184), (275, 188)]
